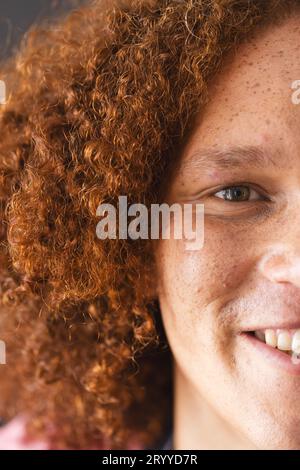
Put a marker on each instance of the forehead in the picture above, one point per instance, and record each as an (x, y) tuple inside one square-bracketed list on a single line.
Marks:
[(250, 100)]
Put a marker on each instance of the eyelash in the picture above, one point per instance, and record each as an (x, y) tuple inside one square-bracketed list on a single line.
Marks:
[(248, 187)]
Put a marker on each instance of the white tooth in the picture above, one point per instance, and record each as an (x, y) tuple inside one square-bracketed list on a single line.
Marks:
[(284, 341), (260, 335), (296, 342), (271, 338)]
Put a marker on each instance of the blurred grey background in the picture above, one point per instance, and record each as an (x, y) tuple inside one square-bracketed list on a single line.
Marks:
[(16, 16)]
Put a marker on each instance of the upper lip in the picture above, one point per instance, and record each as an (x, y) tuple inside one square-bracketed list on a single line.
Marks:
[(287, 325)]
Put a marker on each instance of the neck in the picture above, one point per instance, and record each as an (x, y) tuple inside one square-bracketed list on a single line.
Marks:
[(197, 425)]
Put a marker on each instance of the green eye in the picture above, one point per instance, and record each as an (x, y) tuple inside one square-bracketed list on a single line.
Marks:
[(237, 194)]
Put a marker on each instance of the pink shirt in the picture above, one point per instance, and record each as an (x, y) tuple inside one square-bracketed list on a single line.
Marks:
[(13, 437)]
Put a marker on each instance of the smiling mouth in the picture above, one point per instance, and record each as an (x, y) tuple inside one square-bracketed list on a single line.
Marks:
[(280, 347), (286, 340)]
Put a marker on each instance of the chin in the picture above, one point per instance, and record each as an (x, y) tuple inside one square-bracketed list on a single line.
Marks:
[(275, 435)]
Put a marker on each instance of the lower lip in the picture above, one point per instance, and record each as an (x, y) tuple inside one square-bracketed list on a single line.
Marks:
[(276, 357)]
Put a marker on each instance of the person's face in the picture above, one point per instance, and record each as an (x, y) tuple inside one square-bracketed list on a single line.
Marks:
[(246, 277)]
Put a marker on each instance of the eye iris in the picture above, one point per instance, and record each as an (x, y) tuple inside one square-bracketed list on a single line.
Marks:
[(237, 193)]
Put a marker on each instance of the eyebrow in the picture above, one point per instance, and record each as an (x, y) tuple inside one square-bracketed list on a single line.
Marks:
[(232, 158)]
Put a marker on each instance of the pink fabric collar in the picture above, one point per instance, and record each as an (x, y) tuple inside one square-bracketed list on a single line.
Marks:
[(12, 437)]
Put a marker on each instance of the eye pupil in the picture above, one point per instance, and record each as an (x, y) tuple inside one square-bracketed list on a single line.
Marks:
[(237, 193)]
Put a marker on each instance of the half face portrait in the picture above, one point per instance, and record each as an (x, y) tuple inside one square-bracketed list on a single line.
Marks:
[(116, 333)]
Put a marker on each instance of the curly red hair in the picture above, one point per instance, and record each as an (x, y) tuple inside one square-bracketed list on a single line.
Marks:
[(99, 105)]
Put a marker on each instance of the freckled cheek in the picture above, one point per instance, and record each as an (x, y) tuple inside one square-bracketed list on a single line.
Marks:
[(197, 285), (194, 288), (204, 275)]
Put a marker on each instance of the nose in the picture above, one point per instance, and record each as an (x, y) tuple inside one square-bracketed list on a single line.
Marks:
[(281, 265)]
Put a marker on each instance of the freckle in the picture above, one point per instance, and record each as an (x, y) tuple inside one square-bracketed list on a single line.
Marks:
[(267, 121), (265, 136)]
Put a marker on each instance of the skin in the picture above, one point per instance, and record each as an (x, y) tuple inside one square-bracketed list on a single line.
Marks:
[(247, 274)]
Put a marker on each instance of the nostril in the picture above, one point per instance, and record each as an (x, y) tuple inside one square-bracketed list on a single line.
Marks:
[(273, 263), (281, 267)]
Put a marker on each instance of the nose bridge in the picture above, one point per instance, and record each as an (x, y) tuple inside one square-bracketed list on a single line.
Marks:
[(280, 261)]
